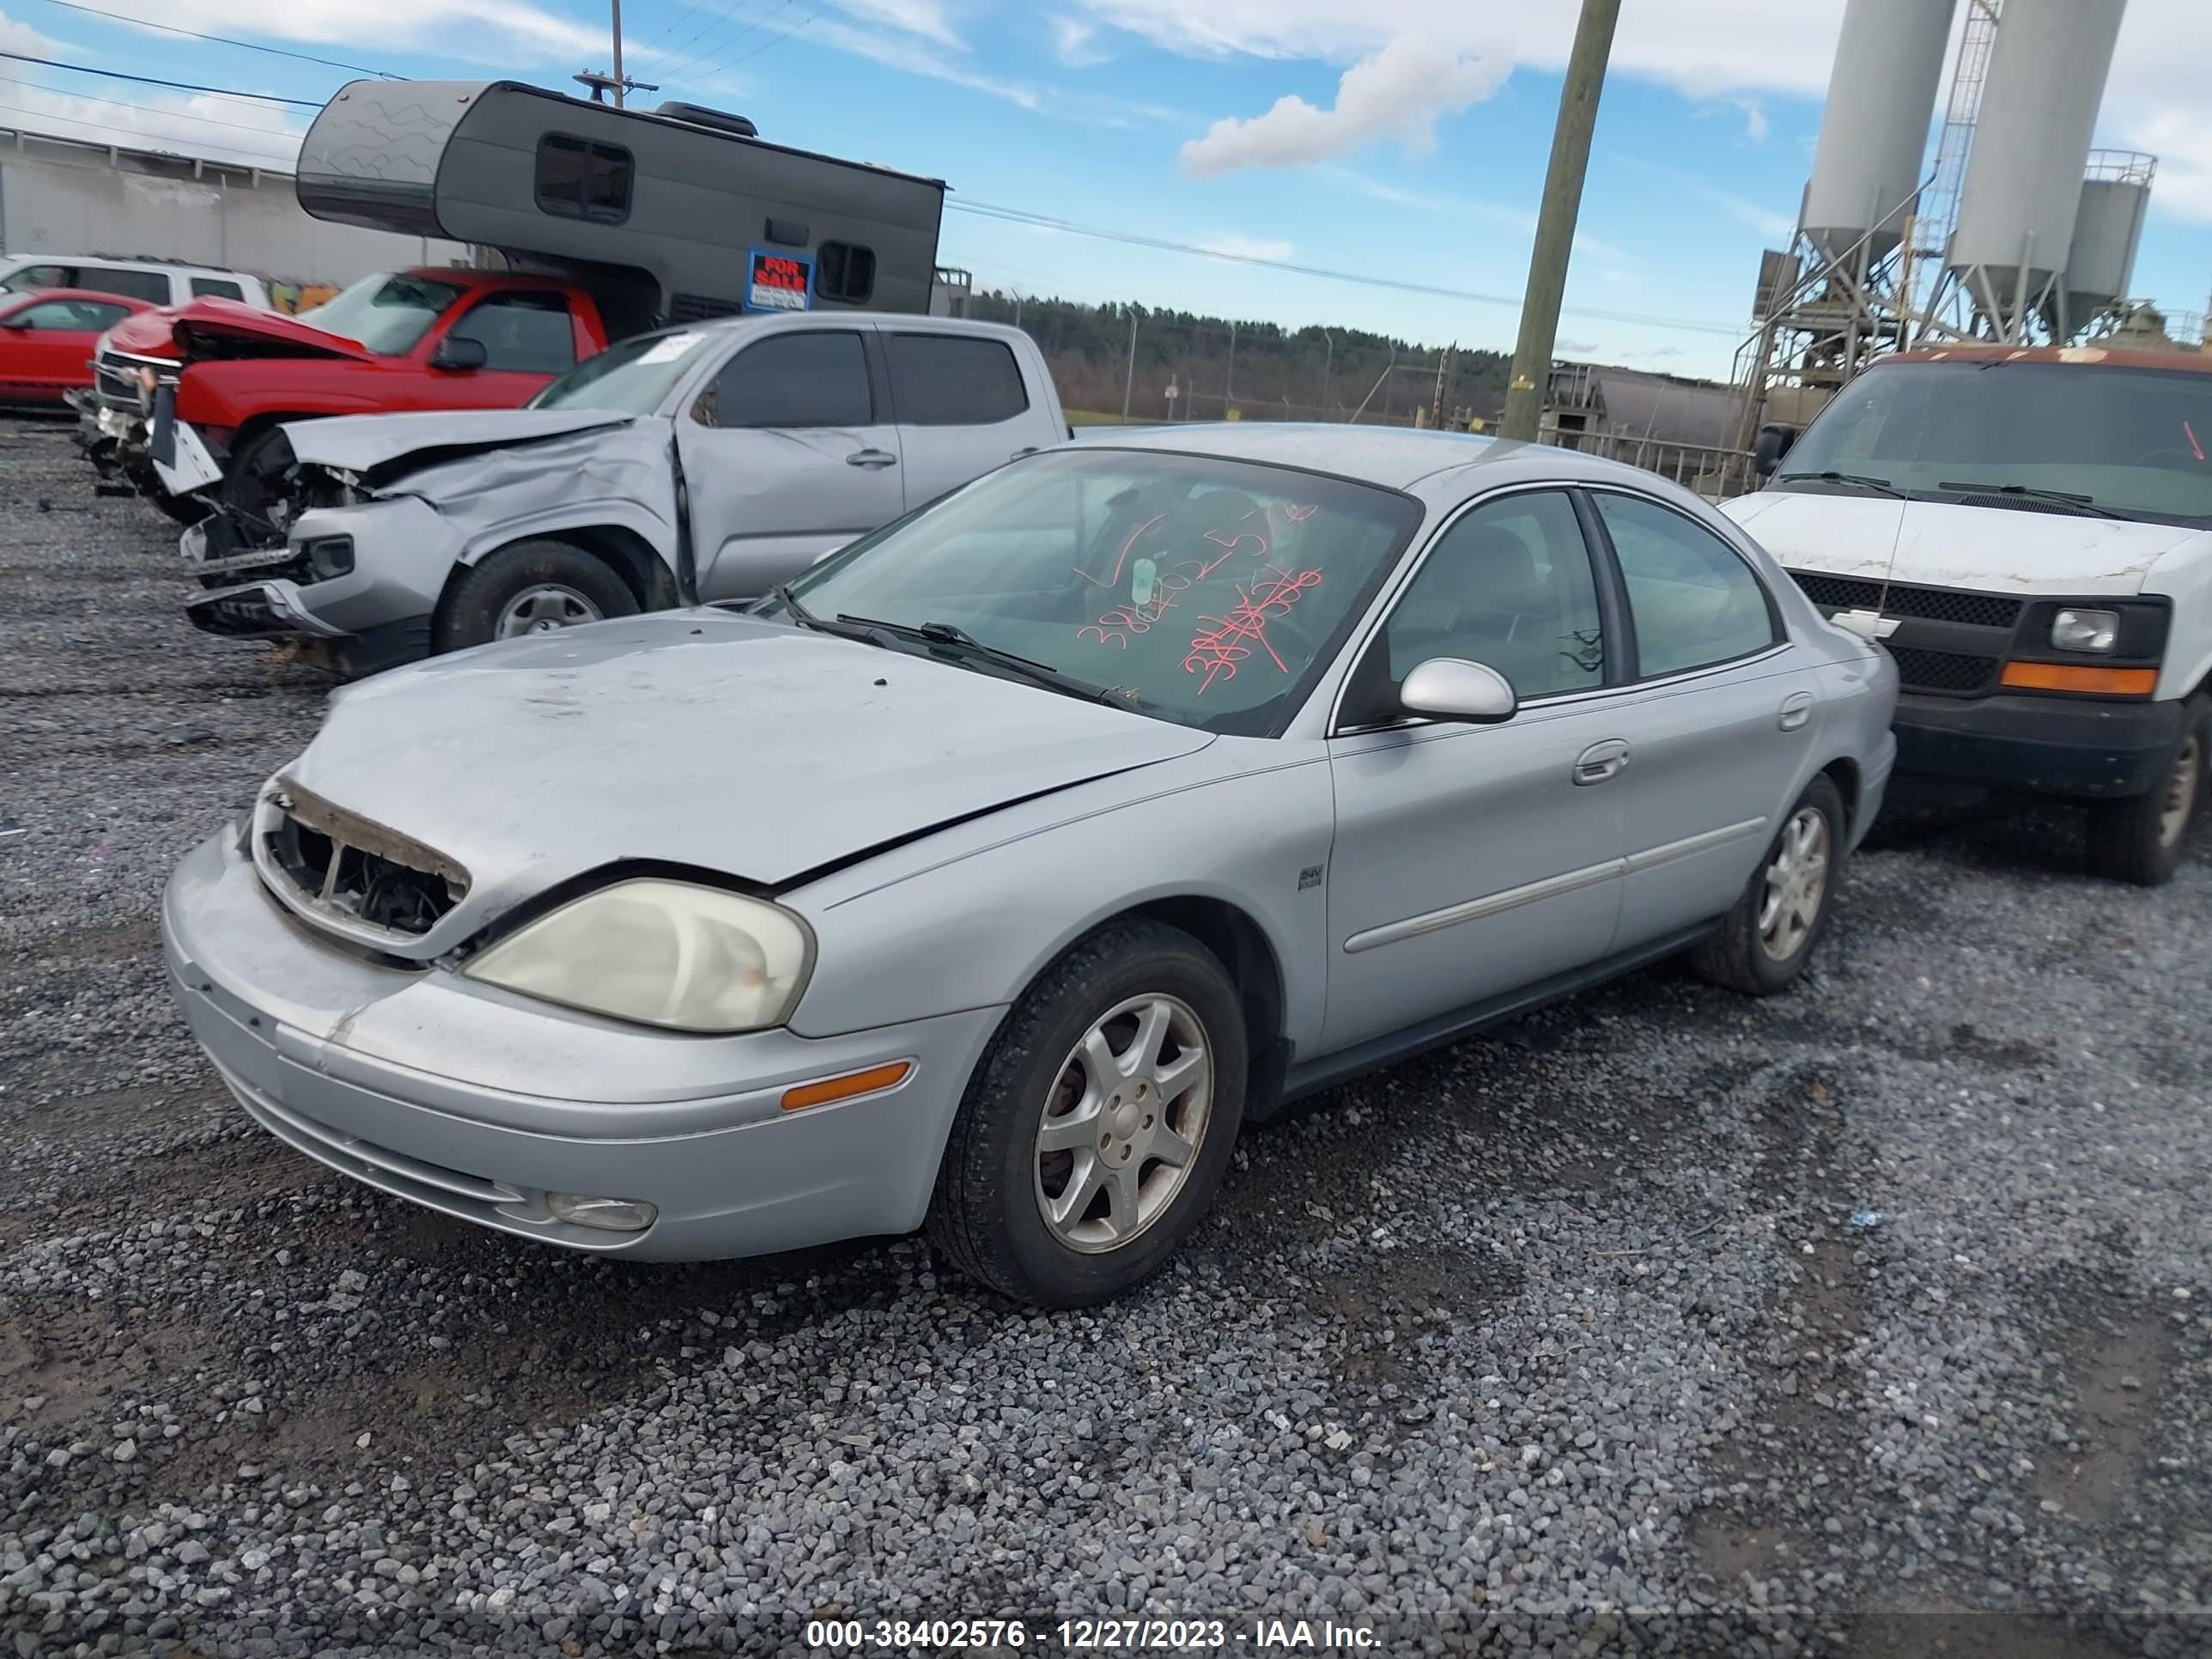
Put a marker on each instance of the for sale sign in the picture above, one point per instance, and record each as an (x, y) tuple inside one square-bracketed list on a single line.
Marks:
[(777, 281)]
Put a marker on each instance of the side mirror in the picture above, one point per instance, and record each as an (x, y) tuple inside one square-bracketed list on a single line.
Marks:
[(1454, 689), (457, 351), (1773, 443), (15, 323)]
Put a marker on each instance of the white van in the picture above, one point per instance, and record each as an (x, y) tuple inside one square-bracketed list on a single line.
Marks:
[(154, 280), (2029, 531)]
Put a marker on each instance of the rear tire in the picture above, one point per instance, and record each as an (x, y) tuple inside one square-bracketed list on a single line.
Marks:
[(1128, 1147), (534, 586), (1764, 943), (2142, 840)]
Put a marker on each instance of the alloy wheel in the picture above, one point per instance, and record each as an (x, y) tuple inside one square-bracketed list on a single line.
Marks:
[(1124, 1123), (1796, 883)]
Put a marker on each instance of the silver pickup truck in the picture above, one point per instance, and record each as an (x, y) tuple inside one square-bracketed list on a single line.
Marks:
[(705, 462)]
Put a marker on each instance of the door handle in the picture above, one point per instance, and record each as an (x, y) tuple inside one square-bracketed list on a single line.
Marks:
[(1600, 761), (871, 458), (1796, 709)]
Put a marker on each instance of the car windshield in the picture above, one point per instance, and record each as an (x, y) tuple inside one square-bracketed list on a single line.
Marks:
[(2134, 441), (1207, 591), (387, 313), (631, 378)]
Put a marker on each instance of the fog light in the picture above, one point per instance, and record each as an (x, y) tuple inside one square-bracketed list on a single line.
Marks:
[(609, 1215), (329, 556)]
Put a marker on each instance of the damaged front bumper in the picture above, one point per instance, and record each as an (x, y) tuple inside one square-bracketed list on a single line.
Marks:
[(355, 586)]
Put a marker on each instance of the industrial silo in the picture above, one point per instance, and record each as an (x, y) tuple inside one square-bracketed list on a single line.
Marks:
[(2115, 195), (1874, 131), (2023, 186)]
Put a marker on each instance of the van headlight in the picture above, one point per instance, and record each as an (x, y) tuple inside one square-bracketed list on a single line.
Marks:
[(2074, 629), (667, 953)]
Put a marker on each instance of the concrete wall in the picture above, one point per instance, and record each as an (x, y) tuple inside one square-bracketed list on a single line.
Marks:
[(58, 196)]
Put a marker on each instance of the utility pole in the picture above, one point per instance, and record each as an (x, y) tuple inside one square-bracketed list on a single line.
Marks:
[(1555, 222), (1129, 377)]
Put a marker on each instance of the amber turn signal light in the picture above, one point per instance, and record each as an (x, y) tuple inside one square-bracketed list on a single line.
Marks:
[(2065, 677), (871, 1081)]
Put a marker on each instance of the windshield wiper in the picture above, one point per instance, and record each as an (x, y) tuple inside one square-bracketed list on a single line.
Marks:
[(1028, 668), (2033, 494), (1857, 478), (845, 628)]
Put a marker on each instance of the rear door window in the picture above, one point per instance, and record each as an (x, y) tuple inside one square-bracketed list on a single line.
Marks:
[(954, 380), (149, 285), (32, 277), (1693, 600), (214, 287), (522, 333), (815, 378)]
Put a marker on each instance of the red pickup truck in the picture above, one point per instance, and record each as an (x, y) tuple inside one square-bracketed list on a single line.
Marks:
[(186, 402)]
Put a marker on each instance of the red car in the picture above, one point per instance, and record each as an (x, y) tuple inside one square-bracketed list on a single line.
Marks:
[(46, 341), (188, 401)]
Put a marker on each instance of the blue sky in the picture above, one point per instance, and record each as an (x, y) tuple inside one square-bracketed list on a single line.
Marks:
[(1418, 155)]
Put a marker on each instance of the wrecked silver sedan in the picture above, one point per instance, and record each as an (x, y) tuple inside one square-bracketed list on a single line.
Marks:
[(710, 461), (992, 873)]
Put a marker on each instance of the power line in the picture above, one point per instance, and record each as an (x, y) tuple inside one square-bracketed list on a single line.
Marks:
[(786, 35), (109, 135), (1022, 216), (166, 115), (174, 86), (222, 40), (698, 60)]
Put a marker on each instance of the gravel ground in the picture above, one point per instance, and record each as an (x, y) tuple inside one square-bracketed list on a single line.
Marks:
[(1565, 1340)]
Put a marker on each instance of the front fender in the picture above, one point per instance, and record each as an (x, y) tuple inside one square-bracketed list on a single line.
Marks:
[(968, 917)]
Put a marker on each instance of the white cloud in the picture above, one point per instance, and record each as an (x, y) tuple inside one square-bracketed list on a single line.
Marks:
[(211, 129), (1233, 245), (482, 30), (925, 18), (1075, 43), (1400, 91), (916, 58), (21, 37), (1755, 126), (2181, 138)]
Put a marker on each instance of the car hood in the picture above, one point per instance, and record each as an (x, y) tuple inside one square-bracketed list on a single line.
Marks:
[(230, 328), (702, 737), (143, 334), (1943, 544), (371, 443)]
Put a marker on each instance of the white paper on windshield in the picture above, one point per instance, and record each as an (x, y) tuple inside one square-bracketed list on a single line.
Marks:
[(668, 350)]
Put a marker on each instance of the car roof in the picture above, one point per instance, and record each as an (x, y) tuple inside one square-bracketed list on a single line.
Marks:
[(124, 262), (2180, 357), (1396, 458)]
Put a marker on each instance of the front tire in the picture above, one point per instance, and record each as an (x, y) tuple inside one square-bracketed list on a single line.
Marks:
[(1097, 1128), (260, 487), (2141, 840), (531, 587), (1764, 943)]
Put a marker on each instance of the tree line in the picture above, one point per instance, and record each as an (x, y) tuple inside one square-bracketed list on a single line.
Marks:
[(1273, 373)]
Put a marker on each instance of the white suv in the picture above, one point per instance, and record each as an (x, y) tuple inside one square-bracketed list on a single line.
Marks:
[(155, 281)]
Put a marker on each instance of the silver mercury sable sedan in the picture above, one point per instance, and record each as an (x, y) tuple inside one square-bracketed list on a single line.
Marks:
[(992, 874)]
